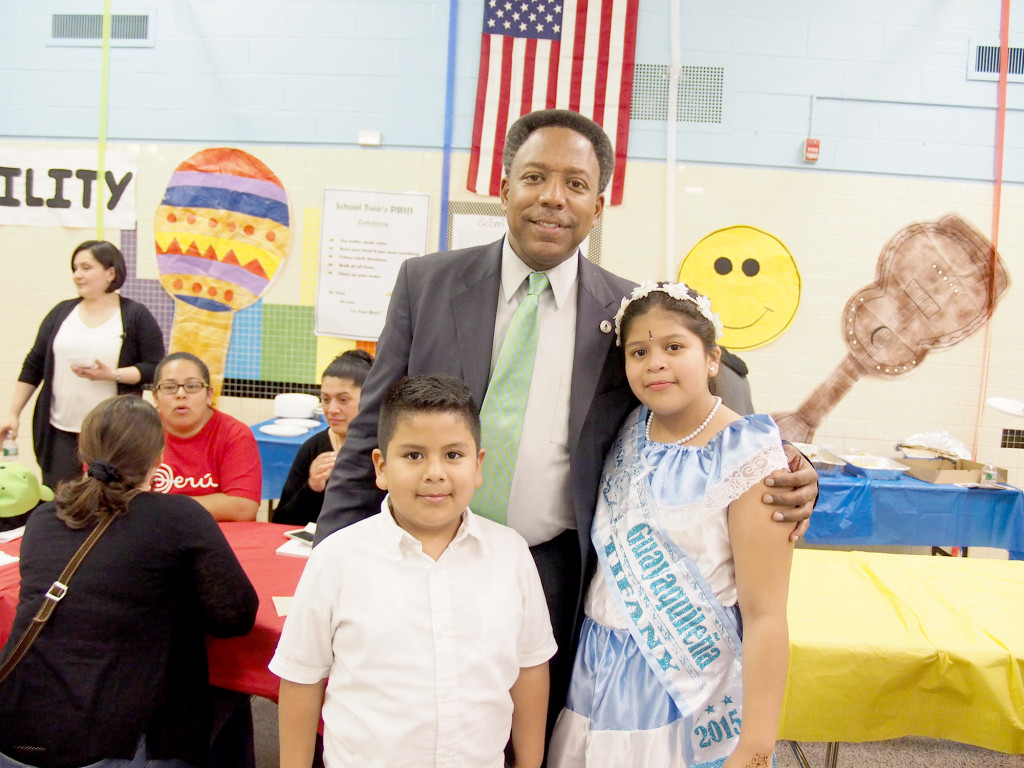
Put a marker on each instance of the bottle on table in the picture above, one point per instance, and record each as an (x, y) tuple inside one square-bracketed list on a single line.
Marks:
[(989, 475)]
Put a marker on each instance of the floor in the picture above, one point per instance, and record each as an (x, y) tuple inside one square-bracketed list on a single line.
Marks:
[(909, 752)]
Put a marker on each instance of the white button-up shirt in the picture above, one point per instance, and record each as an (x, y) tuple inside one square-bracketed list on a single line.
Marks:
[(420, 654), (540, 500)]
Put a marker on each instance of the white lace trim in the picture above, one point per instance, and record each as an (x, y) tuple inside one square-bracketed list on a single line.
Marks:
[(719, 495)]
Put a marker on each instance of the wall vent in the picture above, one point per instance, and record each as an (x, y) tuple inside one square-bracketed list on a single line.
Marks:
[(1012, 438), (983, 62), (699, 99), (127, 30)]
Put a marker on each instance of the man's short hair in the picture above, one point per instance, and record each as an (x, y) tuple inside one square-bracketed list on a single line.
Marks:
[(561, 118), (437, 393)]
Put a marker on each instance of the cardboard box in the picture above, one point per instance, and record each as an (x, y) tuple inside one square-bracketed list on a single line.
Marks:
[(949, 471)]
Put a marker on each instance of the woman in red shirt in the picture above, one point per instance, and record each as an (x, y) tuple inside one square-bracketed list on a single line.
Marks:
[(210, 456)]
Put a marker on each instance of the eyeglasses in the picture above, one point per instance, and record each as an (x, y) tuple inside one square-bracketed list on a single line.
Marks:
[(171, 387)]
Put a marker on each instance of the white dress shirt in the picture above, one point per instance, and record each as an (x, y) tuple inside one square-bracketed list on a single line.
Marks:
[(420, 654), (540, 500)]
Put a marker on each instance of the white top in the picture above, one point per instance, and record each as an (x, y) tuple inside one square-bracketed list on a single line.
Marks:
[(73, 396), (421, 654), (540, 500)]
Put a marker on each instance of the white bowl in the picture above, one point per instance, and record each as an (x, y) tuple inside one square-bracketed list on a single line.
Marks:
[(295, 405), (82, 361)]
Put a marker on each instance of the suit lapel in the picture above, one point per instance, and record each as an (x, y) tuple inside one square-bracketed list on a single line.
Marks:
[(596, 303), (474, 304)]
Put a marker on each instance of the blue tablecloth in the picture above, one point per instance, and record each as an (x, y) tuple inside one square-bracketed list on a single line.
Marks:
[(276, 455), (911, 512)]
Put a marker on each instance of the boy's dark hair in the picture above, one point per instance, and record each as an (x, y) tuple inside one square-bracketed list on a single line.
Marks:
[(437, 393), (561, 118), (352, 364), (108, 255)]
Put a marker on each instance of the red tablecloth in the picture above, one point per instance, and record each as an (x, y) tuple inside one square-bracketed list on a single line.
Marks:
[(10, 584), (238, 663)]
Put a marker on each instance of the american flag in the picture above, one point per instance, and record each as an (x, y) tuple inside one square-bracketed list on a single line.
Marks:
[(546, 54)]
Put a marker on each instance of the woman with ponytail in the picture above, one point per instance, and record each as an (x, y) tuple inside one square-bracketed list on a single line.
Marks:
[(118, 676)]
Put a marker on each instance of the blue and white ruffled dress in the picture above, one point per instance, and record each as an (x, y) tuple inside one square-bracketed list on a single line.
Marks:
[(618, 711)]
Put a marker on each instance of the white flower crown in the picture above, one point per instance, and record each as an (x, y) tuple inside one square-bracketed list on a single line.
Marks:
[(679, 291)]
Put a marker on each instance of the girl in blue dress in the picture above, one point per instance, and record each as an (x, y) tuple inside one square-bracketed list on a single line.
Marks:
[(686, 547)]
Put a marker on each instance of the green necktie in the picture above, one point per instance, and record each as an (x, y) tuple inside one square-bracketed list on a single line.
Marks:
[(501, 415)]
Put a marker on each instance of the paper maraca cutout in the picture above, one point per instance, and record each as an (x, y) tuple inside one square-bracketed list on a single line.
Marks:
[(221, 235), (936, 283)]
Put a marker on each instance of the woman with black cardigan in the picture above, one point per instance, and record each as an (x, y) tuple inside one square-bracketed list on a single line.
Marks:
[(87, 349)]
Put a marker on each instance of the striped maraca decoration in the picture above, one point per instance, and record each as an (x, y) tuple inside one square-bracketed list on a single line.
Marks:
[(221, 235)]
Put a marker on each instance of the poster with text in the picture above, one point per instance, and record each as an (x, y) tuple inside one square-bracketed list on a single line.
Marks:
[(365, 235)]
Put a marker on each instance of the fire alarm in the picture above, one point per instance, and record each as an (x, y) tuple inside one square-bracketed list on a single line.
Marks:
[(812, 148)]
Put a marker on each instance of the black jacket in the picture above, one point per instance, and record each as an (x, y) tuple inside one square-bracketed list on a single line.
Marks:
[(124, 652)]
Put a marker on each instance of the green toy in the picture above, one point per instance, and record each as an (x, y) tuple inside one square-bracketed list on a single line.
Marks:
[(20, 494)]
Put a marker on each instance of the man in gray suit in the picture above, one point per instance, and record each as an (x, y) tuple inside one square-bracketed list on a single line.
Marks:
[(449, 313)]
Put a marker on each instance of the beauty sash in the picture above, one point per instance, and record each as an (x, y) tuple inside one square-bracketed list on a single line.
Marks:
[(688, 638)]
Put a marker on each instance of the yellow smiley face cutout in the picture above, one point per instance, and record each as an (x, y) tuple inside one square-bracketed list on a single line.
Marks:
[(752, 281)]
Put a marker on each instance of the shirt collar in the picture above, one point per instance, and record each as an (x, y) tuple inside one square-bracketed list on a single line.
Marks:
[(405, 543), (513, 272)]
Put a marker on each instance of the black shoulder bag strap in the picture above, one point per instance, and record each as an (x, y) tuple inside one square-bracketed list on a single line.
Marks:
[(53, 595)]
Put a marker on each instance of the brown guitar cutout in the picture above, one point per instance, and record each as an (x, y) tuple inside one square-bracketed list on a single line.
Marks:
[(933, 288)]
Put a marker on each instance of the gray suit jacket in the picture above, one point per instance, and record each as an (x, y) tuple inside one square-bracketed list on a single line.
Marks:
[(441, 320)]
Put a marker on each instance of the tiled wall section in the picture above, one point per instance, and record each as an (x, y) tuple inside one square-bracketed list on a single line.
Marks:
[(834, 224), (882, 83)]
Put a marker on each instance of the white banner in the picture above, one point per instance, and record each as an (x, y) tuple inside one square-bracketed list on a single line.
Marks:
[(60, 188), (365, 235)]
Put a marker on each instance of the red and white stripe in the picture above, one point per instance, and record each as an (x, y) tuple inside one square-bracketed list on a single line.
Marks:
[(590, 71)]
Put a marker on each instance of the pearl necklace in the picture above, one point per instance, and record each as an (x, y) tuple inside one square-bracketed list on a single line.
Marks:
[(697, 431)]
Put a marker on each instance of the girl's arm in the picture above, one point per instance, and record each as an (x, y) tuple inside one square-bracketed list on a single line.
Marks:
[(763, 555), (529, 713), (298, 718)]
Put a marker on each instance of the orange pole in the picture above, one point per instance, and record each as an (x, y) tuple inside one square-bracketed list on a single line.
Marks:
[(997, 200)]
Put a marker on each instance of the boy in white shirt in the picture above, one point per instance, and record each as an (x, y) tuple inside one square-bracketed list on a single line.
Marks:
[(429, 621)]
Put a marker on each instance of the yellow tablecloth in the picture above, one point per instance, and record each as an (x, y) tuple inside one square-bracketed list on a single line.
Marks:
[(883, 646)]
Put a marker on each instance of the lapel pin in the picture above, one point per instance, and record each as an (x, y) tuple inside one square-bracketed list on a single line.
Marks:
[(606, 326)]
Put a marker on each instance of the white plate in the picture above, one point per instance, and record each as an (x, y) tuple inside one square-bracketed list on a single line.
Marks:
[(82, 361), (282, 430), (1006, 405), (304, 423)]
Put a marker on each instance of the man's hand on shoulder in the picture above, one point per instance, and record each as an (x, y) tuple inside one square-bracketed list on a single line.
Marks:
[(793, 492)]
